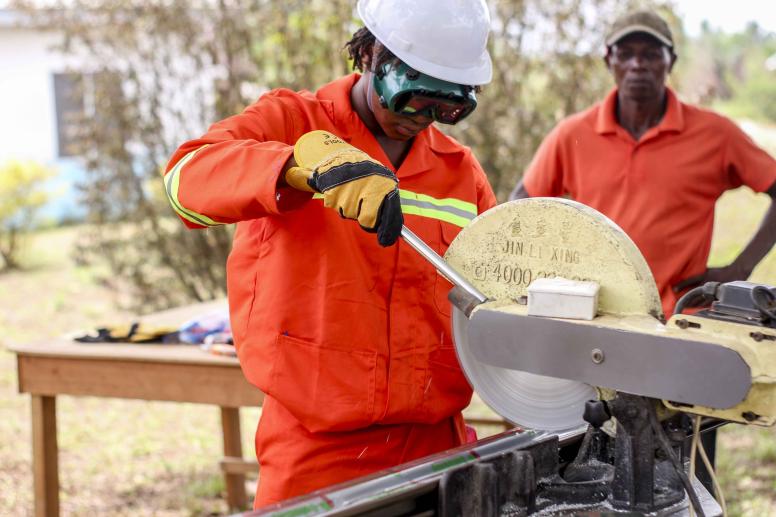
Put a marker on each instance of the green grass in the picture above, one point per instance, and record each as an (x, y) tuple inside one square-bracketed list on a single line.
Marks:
[(746, 467), (738, 216)]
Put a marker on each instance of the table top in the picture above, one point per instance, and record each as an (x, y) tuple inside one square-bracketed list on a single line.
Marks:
[(66, 347)]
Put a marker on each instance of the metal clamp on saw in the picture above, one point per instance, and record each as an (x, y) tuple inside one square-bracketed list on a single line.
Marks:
[(605, 400)]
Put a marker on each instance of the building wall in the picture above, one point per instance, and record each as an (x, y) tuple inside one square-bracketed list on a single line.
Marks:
[(28, 111), (28, 127)]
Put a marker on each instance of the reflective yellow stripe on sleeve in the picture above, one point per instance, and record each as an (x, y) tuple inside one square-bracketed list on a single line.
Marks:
[(450, 210), (171, 186)]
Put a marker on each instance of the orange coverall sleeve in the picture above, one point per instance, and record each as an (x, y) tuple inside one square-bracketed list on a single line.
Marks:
[(544, 175), (231, 173)]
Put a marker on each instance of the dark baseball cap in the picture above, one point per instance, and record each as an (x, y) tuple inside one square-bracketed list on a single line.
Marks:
[(640, 21)]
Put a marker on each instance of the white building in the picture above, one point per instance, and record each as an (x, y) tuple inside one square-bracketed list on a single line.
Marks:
[(36, 110), (44, 94)]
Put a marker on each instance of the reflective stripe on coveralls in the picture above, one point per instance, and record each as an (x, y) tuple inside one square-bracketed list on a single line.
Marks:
[(450, 210), (171, 186)]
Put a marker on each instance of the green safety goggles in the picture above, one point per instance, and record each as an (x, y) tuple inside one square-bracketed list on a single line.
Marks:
[(406, 91)]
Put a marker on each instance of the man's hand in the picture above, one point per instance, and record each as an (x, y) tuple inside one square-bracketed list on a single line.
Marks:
[(714, 274), (356, 185)]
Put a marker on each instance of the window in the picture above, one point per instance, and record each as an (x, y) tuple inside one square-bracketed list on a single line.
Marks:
[(70, 111)]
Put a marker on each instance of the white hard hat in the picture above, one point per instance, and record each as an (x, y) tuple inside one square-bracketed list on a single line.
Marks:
[(446, 39)]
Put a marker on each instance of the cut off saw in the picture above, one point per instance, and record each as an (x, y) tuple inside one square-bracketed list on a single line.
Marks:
[(539, 372)]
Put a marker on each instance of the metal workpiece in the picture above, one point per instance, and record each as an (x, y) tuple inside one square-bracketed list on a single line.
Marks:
[(441, 266), (519, 474), (462, 300), (399, 489)]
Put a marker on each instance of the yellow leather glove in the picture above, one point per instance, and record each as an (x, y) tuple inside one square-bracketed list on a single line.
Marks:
[(353, 183)]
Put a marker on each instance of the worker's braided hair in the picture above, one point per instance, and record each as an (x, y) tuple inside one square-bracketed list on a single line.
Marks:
[(363, 43)]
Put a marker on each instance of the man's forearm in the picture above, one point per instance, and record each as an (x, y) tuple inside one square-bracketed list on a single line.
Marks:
[(762, 241)]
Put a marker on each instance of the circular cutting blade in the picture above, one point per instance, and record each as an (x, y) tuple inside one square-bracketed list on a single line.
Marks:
[(529, 400), (501, 251)]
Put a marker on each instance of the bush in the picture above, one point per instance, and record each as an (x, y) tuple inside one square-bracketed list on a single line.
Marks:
[(22, 194)]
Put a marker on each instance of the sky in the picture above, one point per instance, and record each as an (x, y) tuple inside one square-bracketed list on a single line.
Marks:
[(730, 16)]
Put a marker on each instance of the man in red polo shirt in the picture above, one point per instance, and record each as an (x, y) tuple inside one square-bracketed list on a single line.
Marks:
[(655, 165)]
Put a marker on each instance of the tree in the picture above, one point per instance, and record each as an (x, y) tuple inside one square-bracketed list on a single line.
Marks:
[(731, 72), (22, 194), (163, 71)]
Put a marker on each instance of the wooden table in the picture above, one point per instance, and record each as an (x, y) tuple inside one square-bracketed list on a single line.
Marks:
[(176, 373)]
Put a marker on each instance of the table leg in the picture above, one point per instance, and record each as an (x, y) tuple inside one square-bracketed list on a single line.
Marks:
[(235, 482), (44, 456)]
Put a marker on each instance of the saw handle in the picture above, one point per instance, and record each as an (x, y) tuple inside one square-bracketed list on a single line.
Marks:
[(460, 283)]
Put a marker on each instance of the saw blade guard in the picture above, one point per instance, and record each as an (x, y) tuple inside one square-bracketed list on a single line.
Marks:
[(502, 251)]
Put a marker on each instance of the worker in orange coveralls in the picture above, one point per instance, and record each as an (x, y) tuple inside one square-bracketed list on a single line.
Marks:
[(347, 332)]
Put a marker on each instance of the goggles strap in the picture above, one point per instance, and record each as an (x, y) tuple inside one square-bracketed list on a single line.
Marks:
[(369, 91)]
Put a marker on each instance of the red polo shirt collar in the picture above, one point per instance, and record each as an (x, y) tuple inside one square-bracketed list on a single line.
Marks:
[(606, 120)]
